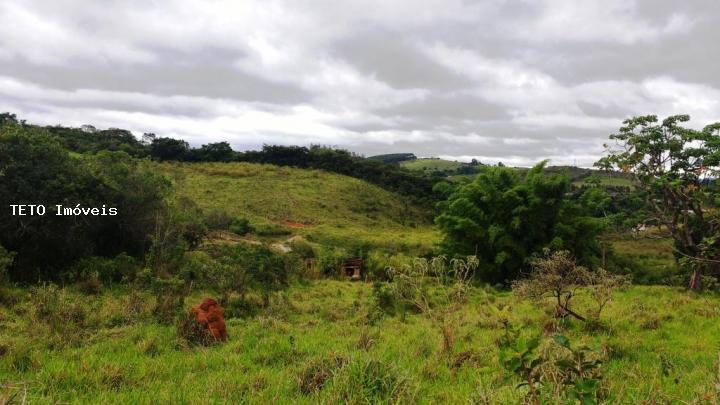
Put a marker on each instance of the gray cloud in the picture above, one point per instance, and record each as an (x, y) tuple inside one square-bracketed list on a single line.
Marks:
[(510, 80)]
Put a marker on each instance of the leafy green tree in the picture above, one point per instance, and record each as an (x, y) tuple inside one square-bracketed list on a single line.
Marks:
[(169, 149), (139, 195), (35, 169), (503, 218), (8, 118), (676, 168), (216, 152)]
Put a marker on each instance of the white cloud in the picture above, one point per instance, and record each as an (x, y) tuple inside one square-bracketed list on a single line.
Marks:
[(499, 53), (595, 20)]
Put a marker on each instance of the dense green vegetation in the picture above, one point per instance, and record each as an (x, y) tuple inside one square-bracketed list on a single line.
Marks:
[(35, 169), (504, 217), (440, 168), (676, 168), (504, 286)]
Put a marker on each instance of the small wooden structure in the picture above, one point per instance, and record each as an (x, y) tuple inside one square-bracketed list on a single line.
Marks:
[(352, 268)]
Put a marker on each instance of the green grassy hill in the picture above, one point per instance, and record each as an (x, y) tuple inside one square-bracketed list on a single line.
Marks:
[(324, 207), (429, 165)]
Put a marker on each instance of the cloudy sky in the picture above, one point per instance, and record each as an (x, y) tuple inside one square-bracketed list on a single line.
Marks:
[(516, 81)]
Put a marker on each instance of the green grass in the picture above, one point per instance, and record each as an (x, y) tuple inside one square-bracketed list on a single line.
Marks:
[(429, 165), (335, 210), (271, 356), (607, 180), (650, 251)]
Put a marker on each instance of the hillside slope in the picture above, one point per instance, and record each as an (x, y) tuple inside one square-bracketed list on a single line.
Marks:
[(430, 165), (327, 208)]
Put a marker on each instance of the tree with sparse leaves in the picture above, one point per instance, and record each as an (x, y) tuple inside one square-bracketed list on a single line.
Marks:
[(677, 169)]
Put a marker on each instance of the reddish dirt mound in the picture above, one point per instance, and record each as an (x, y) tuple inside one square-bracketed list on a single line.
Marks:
[(211, 316), (295, 224)]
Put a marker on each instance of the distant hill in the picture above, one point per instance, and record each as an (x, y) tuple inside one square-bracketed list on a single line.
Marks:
[(456, 170), (394, 157), (439, 167), (324, 207)]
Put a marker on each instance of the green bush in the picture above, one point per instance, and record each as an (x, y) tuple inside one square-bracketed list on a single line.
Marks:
[(121, 268), (244, 267), (223, 275), (272, 230), (371, 381), (6, 259), (302, 248), (240, 226), (64, 315), (240, 308), (218, 220), (328, 260), (384, 298), (188, 329), (377, 263)]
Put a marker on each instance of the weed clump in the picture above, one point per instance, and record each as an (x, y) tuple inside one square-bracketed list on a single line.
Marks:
[(64, 316), (319, 371), (372, 381), (193, 332)]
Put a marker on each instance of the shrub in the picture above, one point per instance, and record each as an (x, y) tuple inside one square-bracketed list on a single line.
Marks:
[(377, 263), (602, 287), (328, 260), (314, 376), (220, 275), (240, 307), (272, 230), (371, 381), (556, 276), (571, 374), (170, 293), (242, 267), (383, 298), (302, 248), (193, 332), (436, 288), (6, 259), (218, 220), (240, 226), (121, 268), (64, 315), (90, 284), (580, 372)]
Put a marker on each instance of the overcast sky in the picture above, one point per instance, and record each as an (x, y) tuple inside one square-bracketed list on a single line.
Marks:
[(516, 81)]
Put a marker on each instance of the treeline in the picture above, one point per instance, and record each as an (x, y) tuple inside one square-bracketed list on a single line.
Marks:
[(126, 225), (36, 169), (394, 157), (88, 139)]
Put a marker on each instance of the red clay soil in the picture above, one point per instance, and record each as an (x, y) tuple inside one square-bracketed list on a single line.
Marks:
[(211, 316), (294, 224)]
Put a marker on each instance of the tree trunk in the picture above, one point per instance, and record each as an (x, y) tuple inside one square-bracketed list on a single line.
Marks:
[(696, 279)]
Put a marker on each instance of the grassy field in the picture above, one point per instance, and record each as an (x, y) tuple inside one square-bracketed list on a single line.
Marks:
[(431, 165), (318, 342), (611, 181), (331, 341), (650, 251), (326, 208)]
